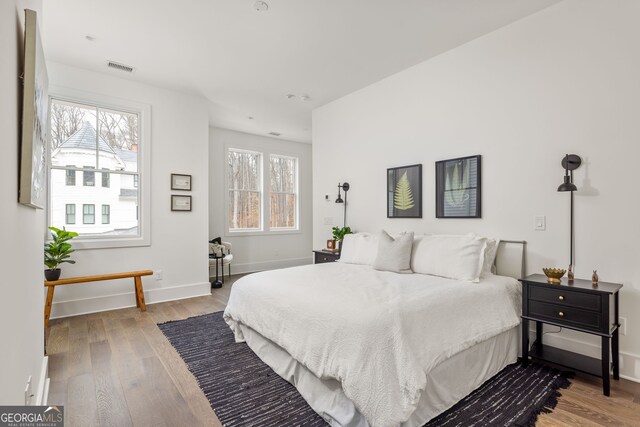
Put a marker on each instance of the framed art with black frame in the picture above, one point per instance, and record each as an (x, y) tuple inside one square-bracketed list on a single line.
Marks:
[(180, 182), (180, 203), (458, 188), (404, 192)]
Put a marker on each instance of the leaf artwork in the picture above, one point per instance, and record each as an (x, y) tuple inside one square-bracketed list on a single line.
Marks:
[(403, 199), (456, 193)]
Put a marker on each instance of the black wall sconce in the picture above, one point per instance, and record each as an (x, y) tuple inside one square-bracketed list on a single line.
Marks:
[(570, 162), (345, 187)]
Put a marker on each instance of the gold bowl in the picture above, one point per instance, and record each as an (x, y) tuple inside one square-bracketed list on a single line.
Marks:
[(554, 274)]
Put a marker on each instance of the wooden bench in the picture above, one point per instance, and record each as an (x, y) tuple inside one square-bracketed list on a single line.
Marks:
[(137, 281)]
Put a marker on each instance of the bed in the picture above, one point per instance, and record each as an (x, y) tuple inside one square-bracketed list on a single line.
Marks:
[(376, 348)]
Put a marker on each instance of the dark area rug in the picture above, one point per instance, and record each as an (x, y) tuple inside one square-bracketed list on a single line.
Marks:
[(244, 391)]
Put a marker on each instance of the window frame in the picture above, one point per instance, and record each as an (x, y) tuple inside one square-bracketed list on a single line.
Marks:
[(108, 214), (66, 213), (70, 175), (265, 191), (106, 174), (244, 231), (84, 213), (143, 111), (296, 193)]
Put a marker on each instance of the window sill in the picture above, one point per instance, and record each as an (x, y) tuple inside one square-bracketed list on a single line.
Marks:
[(229, 233), (108, 243)]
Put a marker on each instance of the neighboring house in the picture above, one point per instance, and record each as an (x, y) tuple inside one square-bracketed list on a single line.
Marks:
[(95, 201)]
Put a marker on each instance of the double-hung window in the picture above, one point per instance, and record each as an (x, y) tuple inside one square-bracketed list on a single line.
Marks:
[(106, 214), (104, 145), (88, 214), (262, 193), (244, 177), (283, 202), (70, 214)]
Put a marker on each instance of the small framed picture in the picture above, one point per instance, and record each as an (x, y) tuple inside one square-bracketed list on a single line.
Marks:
[(180, 203), (180, 182), (331, 245)]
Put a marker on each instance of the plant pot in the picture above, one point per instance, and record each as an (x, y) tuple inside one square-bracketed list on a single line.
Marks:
[(52, 274)]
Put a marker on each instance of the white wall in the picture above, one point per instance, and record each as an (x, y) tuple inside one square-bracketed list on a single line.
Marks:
[(21, 297), (260, 252), (179, 144), (564, 80)]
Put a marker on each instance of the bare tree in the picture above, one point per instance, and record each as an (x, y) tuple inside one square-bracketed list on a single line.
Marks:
[(65, 121)]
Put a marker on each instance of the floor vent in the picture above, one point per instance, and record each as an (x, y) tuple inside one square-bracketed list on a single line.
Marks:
[(120, 67)]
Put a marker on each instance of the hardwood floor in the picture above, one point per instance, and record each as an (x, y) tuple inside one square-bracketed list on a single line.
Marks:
[(117, 369)]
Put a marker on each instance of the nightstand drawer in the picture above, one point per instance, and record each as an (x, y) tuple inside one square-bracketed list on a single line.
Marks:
[(322, 257), (566, 297), (570, 316)]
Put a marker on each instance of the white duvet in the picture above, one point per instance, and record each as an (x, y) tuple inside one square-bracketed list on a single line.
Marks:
[(377, 333)]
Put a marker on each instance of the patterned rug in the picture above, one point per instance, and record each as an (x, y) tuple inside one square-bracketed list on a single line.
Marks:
[(244, 391)]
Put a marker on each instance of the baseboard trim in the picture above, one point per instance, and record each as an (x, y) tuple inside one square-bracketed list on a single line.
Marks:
[(43, 383), (629, 362), (97, 304), (252, 267)]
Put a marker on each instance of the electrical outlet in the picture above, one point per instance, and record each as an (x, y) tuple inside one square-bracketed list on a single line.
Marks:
[(28, 392), (623, 325), (540, 223), (158, 274), (328, 220)]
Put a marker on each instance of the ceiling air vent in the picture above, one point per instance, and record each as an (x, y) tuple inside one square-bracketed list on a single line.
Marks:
[(120, 67), (274, 134)]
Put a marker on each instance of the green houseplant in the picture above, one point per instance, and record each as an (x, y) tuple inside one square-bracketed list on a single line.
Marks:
[(58, 251), (339, 233)]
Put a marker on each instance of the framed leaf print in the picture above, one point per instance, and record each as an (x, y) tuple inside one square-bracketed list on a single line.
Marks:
[(404, 192), (458, 189)]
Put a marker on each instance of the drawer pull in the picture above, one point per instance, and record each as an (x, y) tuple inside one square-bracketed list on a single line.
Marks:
[(561, 298), (561, 314)]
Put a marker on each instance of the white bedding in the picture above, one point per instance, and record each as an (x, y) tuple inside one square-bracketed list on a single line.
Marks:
[(377, 333)]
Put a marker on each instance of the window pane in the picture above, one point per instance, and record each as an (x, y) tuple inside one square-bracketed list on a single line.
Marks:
[(105, 179), (106, 214), (71, 178), (70, 214), (120, 197), (283, 174), (243, 170), (73, 134), (244, 210), (283, 210), (88, 178), (88, 214), (118, 140)]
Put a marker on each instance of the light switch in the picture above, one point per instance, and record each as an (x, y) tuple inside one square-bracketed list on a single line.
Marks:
[(540, 223)]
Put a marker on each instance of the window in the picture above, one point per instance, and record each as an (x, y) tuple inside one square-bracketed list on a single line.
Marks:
[(88, 177), (70, 214), (283, 192), (105, 179), (106, 214), (71, 176), (244, 173), (106, 142), (88, 214)]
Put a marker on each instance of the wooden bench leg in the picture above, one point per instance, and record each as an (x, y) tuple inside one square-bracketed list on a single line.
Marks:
[(139, 294), (47, 306)]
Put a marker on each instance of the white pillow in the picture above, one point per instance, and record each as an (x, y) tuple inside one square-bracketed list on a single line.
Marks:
[(359, 248), (490, 257), (456, 257), (394, 254)]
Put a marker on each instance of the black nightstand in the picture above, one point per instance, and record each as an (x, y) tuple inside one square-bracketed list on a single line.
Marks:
[(576, 305), (325, 256)]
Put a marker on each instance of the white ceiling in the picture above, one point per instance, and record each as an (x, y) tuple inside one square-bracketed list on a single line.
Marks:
[(245, 62)]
